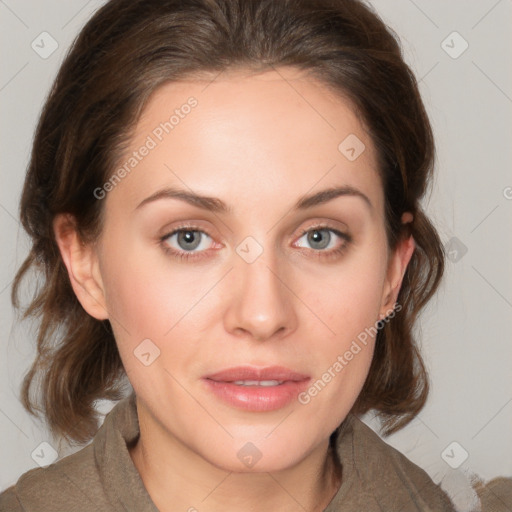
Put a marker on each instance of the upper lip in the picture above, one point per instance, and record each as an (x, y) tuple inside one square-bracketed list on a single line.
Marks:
[(279, 373)]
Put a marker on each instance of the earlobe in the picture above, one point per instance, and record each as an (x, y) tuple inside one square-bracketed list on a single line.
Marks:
[(396, 271), (81, 263)]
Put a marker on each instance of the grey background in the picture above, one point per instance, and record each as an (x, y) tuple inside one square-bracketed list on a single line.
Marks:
[(466, 330)]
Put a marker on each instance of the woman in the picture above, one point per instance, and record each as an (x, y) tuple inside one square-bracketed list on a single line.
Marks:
[(224, 201)]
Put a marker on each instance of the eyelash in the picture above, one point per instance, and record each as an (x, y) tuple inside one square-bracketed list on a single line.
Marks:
[(187, 256)]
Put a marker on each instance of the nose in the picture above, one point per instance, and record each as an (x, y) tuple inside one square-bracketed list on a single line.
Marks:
[(260, 305)]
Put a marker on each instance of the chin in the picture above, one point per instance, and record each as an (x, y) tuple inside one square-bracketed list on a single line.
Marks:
[(271, 465), (259, 457)]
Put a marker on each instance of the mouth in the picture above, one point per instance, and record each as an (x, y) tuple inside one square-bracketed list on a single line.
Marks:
[(256, 389)]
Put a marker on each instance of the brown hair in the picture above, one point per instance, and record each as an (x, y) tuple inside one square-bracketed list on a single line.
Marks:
[(124, 53)]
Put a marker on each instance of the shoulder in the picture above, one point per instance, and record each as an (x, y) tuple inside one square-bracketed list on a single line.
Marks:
[(71, 484), (384, 476), (9, 501), (99, 476), (372, 446)]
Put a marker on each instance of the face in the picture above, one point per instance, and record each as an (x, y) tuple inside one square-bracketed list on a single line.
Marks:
[(240, 315)]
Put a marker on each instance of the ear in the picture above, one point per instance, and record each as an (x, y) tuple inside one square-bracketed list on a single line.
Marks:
[(397, 266), (81, 262)]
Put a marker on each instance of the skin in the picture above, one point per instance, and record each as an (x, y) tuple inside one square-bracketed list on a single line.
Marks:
[(258, 142)]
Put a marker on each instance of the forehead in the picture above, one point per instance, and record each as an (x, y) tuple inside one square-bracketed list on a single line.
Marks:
[(278, 134)]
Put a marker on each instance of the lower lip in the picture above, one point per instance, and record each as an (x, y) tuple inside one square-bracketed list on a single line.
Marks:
[(257, 398)]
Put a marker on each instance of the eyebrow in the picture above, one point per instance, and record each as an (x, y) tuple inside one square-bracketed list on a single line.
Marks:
[(216, 205)]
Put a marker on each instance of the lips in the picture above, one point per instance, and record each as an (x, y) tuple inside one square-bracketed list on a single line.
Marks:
[(248, 373), (256, 389)]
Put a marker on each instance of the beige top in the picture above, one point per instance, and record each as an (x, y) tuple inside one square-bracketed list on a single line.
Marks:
[(102, 477)]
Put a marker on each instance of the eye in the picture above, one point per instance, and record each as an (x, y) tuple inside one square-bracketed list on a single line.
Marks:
[(325, 240), (184, 241)]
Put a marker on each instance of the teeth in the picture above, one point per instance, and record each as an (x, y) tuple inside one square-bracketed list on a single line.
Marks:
[(257, 382)]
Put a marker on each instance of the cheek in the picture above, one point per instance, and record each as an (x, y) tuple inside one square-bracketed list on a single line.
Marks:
[(349, 295), (348, 300), (140, 300), (151, 296), (150, 309)]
